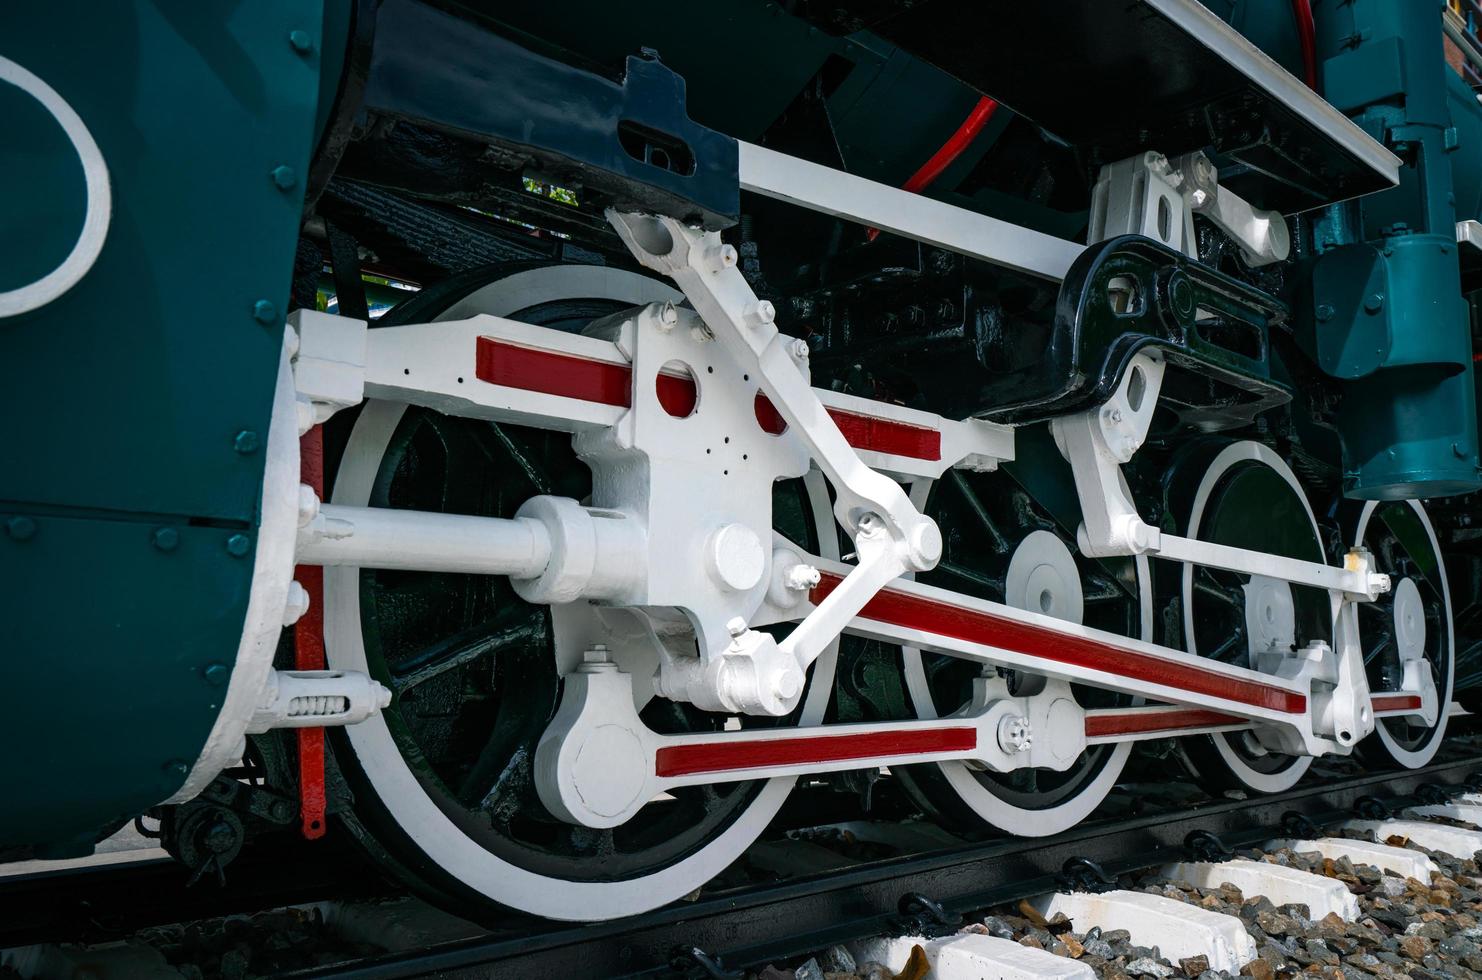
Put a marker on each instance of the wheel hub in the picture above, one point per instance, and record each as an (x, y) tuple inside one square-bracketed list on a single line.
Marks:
[(1043, 578), (1409, 620), (1270, 616)]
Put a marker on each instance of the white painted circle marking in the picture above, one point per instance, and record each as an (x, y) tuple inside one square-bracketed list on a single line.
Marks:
[(99, 210)]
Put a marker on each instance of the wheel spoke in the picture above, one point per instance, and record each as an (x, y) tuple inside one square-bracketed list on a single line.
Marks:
[(1234, 643), (969, 495), (521, 459), (466, 646), (995, 585)]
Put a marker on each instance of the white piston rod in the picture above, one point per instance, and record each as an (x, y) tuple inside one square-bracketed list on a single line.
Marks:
[(553, 550), (409, 540)]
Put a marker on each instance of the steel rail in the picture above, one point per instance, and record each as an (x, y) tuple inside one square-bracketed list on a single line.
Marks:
[(112, 901), (747, 927)]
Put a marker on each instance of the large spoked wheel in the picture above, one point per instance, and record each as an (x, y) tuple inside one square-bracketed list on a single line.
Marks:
[(1412, 622), (1247, 497), (442, 779), (1010, 537)]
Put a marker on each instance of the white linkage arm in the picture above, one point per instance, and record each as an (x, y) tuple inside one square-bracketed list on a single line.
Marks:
[(891, 535)]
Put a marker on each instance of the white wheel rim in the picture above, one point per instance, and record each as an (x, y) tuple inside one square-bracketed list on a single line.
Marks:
[(398, 788), (994, 810), (1415, 758), (1231, 456)]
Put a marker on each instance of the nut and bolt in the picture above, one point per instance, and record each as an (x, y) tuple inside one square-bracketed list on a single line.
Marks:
[(761, 313), (596, 660), (801, 577), (720, 257), (20, 528), (1014, 734)]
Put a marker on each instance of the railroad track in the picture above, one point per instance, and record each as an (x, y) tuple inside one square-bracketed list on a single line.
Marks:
[(747, 928), (724, 931)]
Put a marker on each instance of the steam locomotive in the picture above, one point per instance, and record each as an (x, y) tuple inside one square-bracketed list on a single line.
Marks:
[(537, 440)]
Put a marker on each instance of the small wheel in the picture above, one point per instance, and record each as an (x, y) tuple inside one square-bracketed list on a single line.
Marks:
[(1246, 497), (442, 779), (1413, 621), (1010, 537)]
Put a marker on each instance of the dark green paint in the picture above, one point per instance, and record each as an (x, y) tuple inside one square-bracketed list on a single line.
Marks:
[(1386, 313), (128, 397)]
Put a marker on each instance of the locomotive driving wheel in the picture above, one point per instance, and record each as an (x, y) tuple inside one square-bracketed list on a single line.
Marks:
[(1412, 622), (1245, 496), (1010, 537), (442, 779)]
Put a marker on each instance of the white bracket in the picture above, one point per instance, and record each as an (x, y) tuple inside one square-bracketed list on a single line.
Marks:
[(317, 699), (1097, 442), (328, 356), (1150, 195)]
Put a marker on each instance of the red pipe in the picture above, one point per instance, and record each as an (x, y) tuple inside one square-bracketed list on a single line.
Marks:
[(950, 150), (956, 143), (1307, 34)]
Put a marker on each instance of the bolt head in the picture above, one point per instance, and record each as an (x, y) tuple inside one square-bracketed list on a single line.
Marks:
[(238, 545), (1374, 302), (219, 837), (166, 538), (1325, 311), (245, 442), (789, 684), (265, 312), (300, 41), (308, 504), (762, 313), (284, 177), (736, 626), (216, 674), (20, 528)]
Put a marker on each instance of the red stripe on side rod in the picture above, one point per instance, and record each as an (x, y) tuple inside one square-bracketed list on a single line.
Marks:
[(887, 435), (1395, 702), (1142, 722), (931, 616), (553, 373), (728, 756)]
